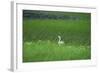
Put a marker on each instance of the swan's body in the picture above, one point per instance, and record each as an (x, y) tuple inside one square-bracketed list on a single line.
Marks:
[(60, 41)]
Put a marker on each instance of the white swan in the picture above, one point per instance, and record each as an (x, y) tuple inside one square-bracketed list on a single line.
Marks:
[(60, 41)]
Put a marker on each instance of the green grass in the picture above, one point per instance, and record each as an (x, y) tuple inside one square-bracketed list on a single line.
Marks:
[(40, 39), (51, 51), (49, 29)]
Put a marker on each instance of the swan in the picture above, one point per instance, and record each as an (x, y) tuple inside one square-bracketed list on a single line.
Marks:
[(60, 41)]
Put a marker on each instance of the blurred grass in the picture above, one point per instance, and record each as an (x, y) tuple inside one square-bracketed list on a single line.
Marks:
[(49, 29), (40, 39), (51, 51)]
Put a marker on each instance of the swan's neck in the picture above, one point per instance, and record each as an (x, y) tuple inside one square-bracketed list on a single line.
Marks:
[(59, 39)]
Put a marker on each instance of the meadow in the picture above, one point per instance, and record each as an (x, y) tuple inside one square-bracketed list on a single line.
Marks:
[(40, 41)]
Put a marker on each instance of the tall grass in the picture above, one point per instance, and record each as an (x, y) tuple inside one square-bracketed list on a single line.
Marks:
[(49, 29), (51, 51), (40, 39)]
